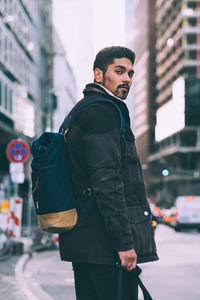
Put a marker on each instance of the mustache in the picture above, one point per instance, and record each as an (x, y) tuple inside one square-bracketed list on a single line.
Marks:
[(124, 86)]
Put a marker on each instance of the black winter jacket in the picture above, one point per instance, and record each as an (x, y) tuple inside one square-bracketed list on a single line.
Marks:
[(116, 216)]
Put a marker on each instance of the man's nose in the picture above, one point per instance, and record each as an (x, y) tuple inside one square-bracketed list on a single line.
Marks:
[(126, 78)]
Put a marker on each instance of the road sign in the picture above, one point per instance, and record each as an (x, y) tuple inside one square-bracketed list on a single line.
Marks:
[(17, 172), (17, 151)]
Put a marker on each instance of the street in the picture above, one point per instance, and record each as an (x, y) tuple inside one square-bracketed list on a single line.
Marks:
[(46, 275), (174, 277), (99, 104)]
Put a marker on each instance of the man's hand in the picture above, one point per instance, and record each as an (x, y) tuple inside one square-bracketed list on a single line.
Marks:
[(128, 259)]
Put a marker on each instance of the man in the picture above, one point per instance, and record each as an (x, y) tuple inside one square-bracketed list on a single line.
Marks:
[(114, 219)]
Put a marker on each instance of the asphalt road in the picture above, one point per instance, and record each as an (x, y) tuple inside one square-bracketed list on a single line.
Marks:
[(9, 289), (176, 276), (46, 276)]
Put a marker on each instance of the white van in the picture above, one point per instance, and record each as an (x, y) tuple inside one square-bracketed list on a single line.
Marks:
[(187, 212)]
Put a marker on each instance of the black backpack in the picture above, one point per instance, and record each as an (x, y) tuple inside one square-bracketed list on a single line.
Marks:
[(52, 191)]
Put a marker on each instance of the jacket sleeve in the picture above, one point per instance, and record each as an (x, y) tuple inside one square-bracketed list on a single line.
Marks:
[(102, 150)]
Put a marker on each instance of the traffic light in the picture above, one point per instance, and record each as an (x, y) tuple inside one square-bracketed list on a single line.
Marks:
[(165, 172)]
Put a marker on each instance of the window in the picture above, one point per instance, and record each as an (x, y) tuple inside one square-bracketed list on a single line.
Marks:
[(0, 40), (5, 48), (191, 38), (0, 93), (192, 95), (10, 53), (188, 138), (192, 54), (6, 96), (192, 21), (11, 101), (192, 5)]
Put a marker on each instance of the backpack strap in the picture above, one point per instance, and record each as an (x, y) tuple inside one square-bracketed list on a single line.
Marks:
[(71, 118), (132, 276)]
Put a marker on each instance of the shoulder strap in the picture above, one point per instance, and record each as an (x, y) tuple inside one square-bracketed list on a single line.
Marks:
[(69, 120), (132, 276)]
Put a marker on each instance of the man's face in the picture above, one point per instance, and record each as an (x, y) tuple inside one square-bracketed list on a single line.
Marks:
[(118, 77)]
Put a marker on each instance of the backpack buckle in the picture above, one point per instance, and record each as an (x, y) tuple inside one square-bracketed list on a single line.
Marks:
[(65, 134), (87, 192)]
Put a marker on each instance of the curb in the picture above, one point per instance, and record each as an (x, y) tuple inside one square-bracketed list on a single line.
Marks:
[(19, 268), (22, 284), (41, 294)]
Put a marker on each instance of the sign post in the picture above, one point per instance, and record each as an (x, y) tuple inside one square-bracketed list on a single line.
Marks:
[(17, 153)]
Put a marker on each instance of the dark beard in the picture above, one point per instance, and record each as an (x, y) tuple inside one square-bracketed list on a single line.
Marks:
[(116, 93), (124, 94)]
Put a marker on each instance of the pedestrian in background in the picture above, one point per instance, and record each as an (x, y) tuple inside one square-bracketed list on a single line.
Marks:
[(114, 219)]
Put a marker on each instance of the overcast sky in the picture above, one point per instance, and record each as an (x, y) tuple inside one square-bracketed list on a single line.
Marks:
[(85, 27)]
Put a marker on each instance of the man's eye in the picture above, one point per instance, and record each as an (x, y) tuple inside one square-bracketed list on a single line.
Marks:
[(130, 75), (118, 72)]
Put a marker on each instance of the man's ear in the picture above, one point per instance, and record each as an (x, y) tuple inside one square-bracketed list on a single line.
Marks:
[(98, 75)]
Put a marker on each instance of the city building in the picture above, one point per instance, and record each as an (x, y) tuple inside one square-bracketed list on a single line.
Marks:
[(129, 42), (144, 78), (167, 94), (25, 74), (37, 87), (64, 87), (177, 131)]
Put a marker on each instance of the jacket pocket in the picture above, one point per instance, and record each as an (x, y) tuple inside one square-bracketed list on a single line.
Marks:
[(143, 232)]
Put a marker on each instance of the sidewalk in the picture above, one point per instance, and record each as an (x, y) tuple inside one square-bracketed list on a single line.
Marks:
[(49, 278), (9, 289), (37, 276), (45, 277)]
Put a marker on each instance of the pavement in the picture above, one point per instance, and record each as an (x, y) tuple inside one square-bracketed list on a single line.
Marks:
[(43, 276), (36, 276), (9, 289)]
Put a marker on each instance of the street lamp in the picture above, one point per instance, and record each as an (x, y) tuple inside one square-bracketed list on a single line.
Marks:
[(165, 172), (30, 46), (170, 42)]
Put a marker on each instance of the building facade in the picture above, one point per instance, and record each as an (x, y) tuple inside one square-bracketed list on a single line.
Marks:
[(167, 96), (144, 78), (26, 76), (64, 86), (129, 42), (177, 130)]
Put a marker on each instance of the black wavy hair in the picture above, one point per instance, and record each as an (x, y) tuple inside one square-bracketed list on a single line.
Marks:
[(107, 55)]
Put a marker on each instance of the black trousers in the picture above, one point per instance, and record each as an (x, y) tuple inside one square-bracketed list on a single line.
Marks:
[(103, 282)]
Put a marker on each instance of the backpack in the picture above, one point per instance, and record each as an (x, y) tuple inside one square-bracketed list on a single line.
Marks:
[(52, 190)]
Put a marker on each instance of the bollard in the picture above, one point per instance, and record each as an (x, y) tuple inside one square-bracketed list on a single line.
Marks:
[(14, 219), (17, 218), (11, 218)]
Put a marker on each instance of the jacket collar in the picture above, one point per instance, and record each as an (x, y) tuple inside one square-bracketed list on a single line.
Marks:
[(97, 89)]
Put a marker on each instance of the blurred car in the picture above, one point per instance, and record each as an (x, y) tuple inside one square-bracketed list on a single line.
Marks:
[(166, 216), (157, 214), (154, 221), (186, 213)]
